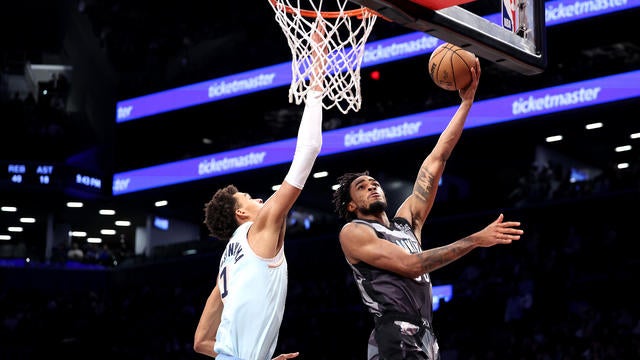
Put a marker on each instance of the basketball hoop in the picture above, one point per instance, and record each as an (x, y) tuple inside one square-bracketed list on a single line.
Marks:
[(346, 33)]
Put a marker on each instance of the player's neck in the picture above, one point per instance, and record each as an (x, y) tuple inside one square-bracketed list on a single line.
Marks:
[(380, 217)]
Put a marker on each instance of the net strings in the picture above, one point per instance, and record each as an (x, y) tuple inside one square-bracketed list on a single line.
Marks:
[(345, 38)]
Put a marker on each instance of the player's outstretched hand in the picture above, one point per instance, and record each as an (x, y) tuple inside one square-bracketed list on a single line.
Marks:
[(498, 232), (286, 356)]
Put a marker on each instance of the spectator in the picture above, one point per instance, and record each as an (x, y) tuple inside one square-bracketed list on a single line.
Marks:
[(75, 253)]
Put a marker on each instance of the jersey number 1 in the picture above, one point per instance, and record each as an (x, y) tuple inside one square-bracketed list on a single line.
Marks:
[(223, 282)]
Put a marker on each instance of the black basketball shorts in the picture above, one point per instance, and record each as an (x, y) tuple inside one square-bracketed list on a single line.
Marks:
[(402, 337)]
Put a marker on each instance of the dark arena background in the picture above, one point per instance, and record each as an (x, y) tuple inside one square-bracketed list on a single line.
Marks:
[(566, 290)]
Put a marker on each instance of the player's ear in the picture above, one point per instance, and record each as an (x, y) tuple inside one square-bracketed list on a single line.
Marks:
[(241, 214), (351, 206)]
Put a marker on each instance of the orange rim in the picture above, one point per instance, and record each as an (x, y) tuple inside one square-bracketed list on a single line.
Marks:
[(358, 13)]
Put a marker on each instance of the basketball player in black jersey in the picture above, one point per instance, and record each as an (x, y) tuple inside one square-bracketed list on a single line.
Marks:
[(386, 256)]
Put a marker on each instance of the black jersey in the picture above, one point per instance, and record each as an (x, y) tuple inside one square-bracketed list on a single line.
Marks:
[(383, 291)]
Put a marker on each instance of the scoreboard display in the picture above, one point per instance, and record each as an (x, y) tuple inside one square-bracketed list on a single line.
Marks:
[(33, 175), (28, 174)]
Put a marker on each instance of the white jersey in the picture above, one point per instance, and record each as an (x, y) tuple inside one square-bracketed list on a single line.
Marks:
[(253, 291)]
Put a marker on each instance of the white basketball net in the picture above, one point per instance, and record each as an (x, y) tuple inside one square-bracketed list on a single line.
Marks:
[(345, 38)]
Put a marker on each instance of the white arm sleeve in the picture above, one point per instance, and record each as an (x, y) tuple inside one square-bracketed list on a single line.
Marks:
[(309, 141)]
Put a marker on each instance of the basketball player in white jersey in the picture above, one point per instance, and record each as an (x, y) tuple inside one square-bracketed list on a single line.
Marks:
[(242, 316), (386, 256)]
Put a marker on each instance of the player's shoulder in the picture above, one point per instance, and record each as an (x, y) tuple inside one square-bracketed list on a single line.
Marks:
[(359, 226), (347, 227), (357, 222), (352, 225)]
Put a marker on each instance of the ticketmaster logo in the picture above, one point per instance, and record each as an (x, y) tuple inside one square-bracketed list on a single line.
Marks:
[(227, 163), (394, 50), (532, 104), (222, 88), (355, 138), (579, 8)]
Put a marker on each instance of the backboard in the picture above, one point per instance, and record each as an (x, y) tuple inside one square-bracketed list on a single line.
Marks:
[(517, 43)]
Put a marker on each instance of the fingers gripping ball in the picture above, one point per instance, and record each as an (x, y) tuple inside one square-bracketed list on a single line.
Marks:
[(450, 66)]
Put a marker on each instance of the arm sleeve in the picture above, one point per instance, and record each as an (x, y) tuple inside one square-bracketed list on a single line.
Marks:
[(309, 141)]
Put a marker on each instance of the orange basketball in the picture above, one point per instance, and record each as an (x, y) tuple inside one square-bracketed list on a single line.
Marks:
[(450, 66)]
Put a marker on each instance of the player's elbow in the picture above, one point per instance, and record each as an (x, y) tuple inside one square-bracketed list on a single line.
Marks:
[(197, 346), (315, 147), (202, 346), (436, 161), (439, 159), (311, 148)]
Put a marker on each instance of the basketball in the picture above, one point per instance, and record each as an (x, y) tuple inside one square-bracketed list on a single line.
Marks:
[(450, 66)]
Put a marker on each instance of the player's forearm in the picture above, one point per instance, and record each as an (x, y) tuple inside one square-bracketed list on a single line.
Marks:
[(309, 141), (205, 335), (310, 130), (452, 133), (433, 259)]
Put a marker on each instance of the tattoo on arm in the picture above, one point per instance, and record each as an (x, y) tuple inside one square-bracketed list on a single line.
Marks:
[(436, 258), (424, 184)]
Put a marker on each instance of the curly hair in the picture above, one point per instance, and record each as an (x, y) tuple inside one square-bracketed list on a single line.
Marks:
[(219, 213), (341, 195)]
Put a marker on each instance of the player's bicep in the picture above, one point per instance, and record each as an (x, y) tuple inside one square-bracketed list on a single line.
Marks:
[(360, 243), (277, 207), (268, 228)]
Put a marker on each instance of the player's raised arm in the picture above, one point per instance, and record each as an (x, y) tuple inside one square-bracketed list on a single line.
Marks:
[(418, 205)]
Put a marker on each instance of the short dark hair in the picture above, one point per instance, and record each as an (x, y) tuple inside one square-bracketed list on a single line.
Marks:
[(219, 213), (341, 195)]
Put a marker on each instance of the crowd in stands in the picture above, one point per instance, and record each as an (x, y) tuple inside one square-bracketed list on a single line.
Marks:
[(92, 254), (38, 126), (545, 182), (159, 50)]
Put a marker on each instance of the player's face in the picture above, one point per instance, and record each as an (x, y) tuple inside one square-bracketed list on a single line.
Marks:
[(367, 195), (247, 203)]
